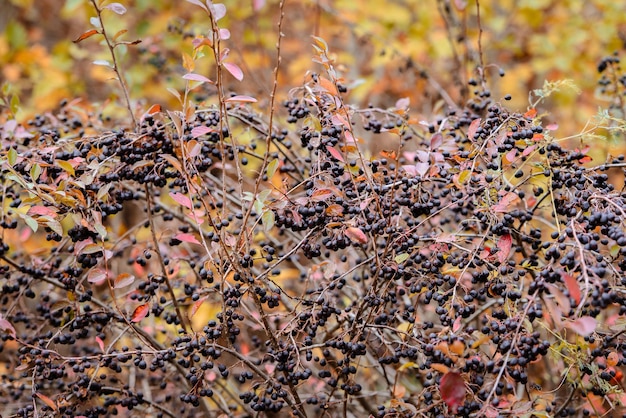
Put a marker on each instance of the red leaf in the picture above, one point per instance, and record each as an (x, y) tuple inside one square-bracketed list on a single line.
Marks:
[(155, 108), (196, 305), (86, 35), (572, 286), (583, 326), (140, 312), (336, 154), (186, 237), (452, 390), (234, 70), (356, 235), (240, 98), (504, 246), (505, 201), (181, 199)]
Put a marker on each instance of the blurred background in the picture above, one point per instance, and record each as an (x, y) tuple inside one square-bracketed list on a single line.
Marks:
[(385, 49)]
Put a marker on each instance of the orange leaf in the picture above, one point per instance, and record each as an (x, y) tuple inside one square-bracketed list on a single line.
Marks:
[(47, 401), (123, 280), (86, 35), (531, 113), (322, 194), (140, 312)]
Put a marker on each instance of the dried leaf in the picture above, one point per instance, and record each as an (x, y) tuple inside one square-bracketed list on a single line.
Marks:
[(436, 141), (356, 235), (452, 390), (140, 312)]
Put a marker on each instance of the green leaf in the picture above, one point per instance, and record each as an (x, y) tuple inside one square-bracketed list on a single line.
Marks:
[(401, 258), (12, 156), (271, 168), (35, 172), (15, 104), (31, 222), (268, 220)]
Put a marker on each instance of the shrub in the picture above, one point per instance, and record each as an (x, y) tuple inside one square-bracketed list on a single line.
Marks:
[(223, 260)]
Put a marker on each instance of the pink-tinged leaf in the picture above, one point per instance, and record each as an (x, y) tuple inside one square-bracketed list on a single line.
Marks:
[(422, 168), (457, 324), (505, 202), (97, 276), (100, 343), (411, 170), (572, 286), (123, 280), (528, 150), (504, 247), (552, 127), (224, 34), (510, 156), (322, 194), (86, 35), (6, 326), (218, 10), (140, 312), (436, 141), (201, 130), (240, 98), (452, 390), (336, 154), (460, 4), (403, 103), (196, 77), (356, 235), (186, 237), (471, 131), (198, 3), (234, 70), (181, 199), (258, 4), (583, 326), (116, 8), (42, 211)]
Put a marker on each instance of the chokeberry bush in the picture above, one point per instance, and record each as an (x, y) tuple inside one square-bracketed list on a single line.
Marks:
[(227, 260)]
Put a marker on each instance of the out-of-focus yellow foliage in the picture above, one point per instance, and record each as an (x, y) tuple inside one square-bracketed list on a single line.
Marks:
[(385, 48)]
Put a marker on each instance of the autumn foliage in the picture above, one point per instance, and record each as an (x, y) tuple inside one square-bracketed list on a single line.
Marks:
[(293, 252)]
